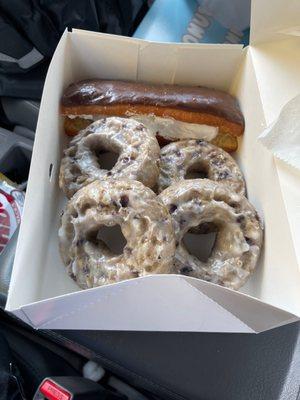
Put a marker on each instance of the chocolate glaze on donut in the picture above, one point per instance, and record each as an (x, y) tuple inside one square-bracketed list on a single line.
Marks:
[(186, 103)]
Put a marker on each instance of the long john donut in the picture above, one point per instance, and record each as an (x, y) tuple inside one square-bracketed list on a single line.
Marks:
[(198, 110)]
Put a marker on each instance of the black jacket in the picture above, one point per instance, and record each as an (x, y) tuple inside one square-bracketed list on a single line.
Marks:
[(31, 29)]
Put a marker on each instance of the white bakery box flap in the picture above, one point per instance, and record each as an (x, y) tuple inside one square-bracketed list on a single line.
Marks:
[(276, 65), (43, 295), (273, 20), (275, 31), (156, 303)]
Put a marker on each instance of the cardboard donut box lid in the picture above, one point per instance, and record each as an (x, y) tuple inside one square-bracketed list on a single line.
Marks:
[(263, 76)]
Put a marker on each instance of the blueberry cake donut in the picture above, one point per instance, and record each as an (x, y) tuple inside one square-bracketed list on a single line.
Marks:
[(137, 148), (188, 156), (145, 223), (239, 231)]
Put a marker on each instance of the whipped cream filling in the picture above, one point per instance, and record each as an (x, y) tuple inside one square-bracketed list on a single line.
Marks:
[(168, 128), (85, 116), (172, 129)]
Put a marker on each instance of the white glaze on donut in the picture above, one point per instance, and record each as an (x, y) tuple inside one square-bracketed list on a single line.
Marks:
[(239, 238), (178, 158), (137, 148), (144, 222)]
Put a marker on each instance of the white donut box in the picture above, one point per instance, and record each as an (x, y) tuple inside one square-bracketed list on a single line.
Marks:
[(263, 76)]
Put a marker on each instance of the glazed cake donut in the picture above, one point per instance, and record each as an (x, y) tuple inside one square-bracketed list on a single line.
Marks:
[(179, 158), (239, 238), (137, 148), (144, 222)]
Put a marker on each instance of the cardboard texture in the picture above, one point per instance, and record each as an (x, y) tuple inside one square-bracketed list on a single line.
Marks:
[(44, 296), (277, 70), (272, 20)]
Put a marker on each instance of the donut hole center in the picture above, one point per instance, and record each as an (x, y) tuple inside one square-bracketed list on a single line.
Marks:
[(198, 170), (111, 236), (106, 159), (200, 241)]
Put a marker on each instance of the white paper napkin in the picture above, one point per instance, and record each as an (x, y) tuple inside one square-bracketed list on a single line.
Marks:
[(283, 136)]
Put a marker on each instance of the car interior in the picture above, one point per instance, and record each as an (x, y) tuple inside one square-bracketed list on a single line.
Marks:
[(92, 364)]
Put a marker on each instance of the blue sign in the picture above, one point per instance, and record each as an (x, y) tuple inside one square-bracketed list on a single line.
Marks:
[(186, 21)]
